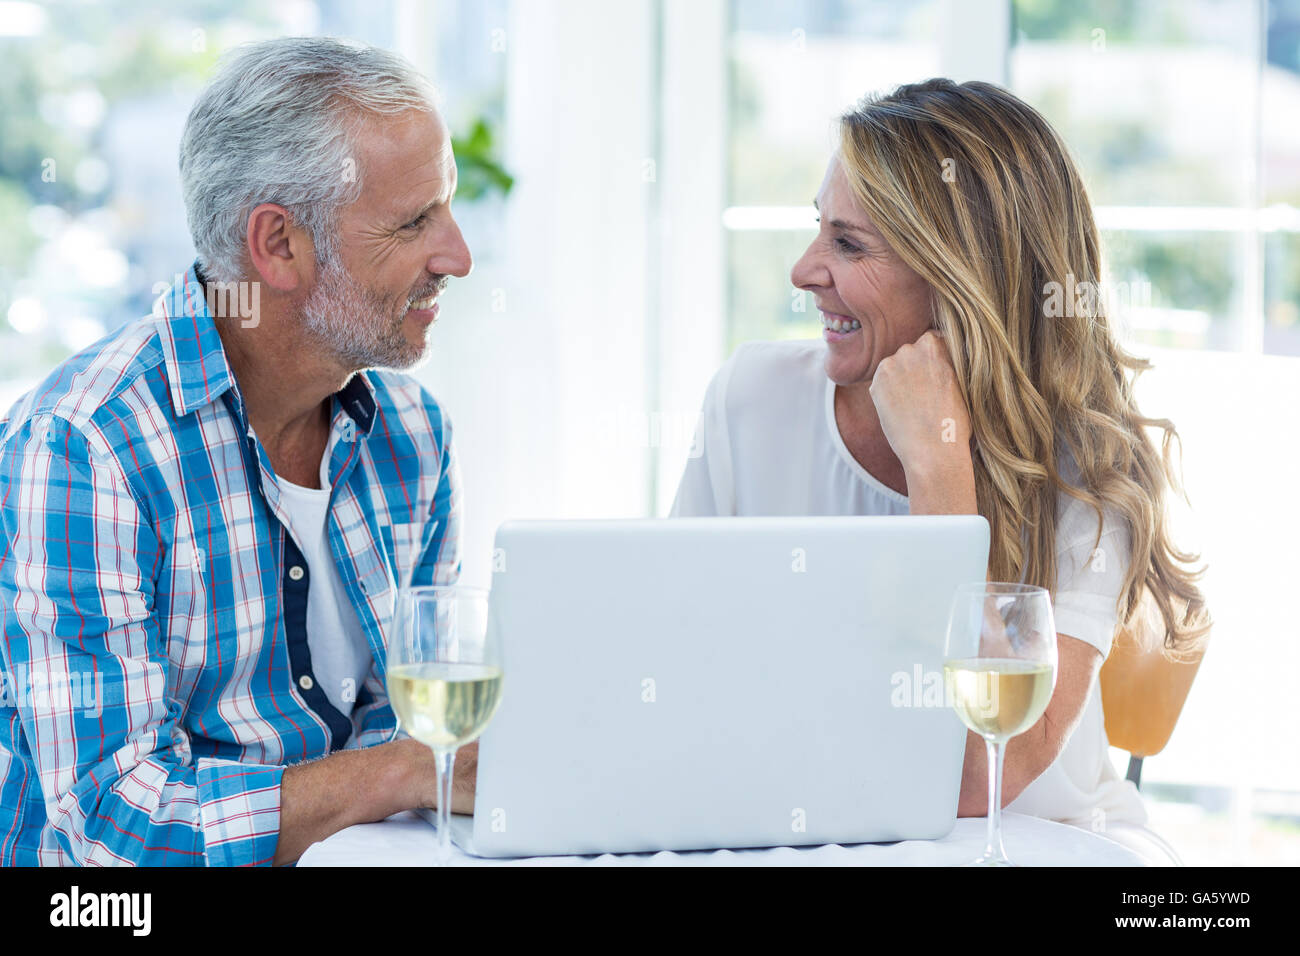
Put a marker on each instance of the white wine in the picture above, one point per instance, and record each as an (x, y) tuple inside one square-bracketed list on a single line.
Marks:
[(998, 698), (444, 705)]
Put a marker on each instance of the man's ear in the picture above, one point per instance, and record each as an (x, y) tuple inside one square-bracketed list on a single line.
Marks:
[(281, 253)]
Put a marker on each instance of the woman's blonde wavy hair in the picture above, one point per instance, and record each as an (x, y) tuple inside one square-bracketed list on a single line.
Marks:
[(976, 193)]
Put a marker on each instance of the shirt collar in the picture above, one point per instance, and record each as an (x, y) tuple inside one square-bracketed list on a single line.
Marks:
[(197, 370), (358, 399)]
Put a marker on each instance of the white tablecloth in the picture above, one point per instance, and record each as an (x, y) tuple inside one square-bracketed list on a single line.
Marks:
[(407, 839)]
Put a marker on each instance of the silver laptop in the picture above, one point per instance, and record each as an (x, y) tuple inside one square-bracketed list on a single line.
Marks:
[(722, 682)]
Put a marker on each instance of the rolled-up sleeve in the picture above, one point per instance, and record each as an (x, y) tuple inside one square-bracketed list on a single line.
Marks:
[(104, 738)]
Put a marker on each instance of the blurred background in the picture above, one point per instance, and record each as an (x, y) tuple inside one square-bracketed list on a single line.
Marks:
[(636, 181)]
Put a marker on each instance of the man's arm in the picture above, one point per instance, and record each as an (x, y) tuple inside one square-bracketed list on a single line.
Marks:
[(323, 796), (77, 604), (77, 611), (77, 618)]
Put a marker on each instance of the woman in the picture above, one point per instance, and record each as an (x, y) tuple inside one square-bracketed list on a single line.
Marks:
[(953, 382)]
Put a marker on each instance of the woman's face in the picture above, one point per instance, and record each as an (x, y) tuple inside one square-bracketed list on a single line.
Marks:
[(860, 285)]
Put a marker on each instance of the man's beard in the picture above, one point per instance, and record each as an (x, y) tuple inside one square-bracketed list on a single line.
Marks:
[(357, 325)]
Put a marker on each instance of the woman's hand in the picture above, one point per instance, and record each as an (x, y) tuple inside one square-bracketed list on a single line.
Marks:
[(927, 425), (920, 407)]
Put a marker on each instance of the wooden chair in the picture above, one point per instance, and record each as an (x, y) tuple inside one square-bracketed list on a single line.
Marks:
[(1143, 688)]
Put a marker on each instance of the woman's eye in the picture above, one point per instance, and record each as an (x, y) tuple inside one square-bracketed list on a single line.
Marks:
[(845, 246)]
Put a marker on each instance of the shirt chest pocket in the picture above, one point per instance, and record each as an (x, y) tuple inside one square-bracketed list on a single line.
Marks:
[(381, 570), (197, 634)]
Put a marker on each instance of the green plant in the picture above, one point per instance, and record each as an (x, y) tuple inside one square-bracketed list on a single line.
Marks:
[(479, 169)]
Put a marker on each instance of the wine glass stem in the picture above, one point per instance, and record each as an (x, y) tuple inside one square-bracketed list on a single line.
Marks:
[(445, 760), (993, 845)]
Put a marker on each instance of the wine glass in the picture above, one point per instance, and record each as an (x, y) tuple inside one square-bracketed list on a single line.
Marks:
[(999, 671), (444, 678)]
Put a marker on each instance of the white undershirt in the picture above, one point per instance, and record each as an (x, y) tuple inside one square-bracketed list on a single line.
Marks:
[(768, 445), (340, 654)]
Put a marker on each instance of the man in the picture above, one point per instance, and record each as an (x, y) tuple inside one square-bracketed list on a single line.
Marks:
[(207, 514)]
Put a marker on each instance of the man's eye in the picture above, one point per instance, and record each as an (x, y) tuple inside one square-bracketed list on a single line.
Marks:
[(417, 222)]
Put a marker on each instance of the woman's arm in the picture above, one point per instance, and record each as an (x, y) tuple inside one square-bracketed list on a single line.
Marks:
[(944, 485), (1032, 752), (950, 489), (927, 425)]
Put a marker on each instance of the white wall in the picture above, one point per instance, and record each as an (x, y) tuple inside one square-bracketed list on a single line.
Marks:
[(1236, 414), (688, 331), (535, 388)]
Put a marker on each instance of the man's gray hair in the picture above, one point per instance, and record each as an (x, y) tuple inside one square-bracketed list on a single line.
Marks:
[(277, 124)]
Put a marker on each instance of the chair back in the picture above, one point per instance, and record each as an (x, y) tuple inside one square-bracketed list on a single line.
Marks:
[(1144, 687)]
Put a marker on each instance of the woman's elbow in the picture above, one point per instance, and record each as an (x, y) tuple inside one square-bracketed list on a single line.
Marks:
[(1025, 759)]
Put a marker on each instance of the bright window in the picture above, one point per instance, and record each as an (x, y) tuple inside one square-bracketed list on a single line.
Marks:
[(794, 68), (94, 100)]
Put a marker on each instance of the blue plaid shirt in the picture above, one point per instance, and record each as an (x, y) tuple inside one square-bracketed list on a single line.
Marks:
[(157, 678)]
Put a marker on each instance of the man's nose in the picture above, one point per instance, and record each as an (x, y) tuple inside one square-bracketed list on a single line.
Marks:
[(453, 256)]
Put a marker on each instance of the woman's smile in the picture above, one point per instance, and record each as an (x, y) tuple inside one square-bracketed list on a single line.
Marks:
[(837, 327)]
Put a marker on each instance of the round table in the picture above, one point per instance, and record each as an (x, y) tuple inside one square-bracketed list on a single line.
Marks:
[(408, 839)]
